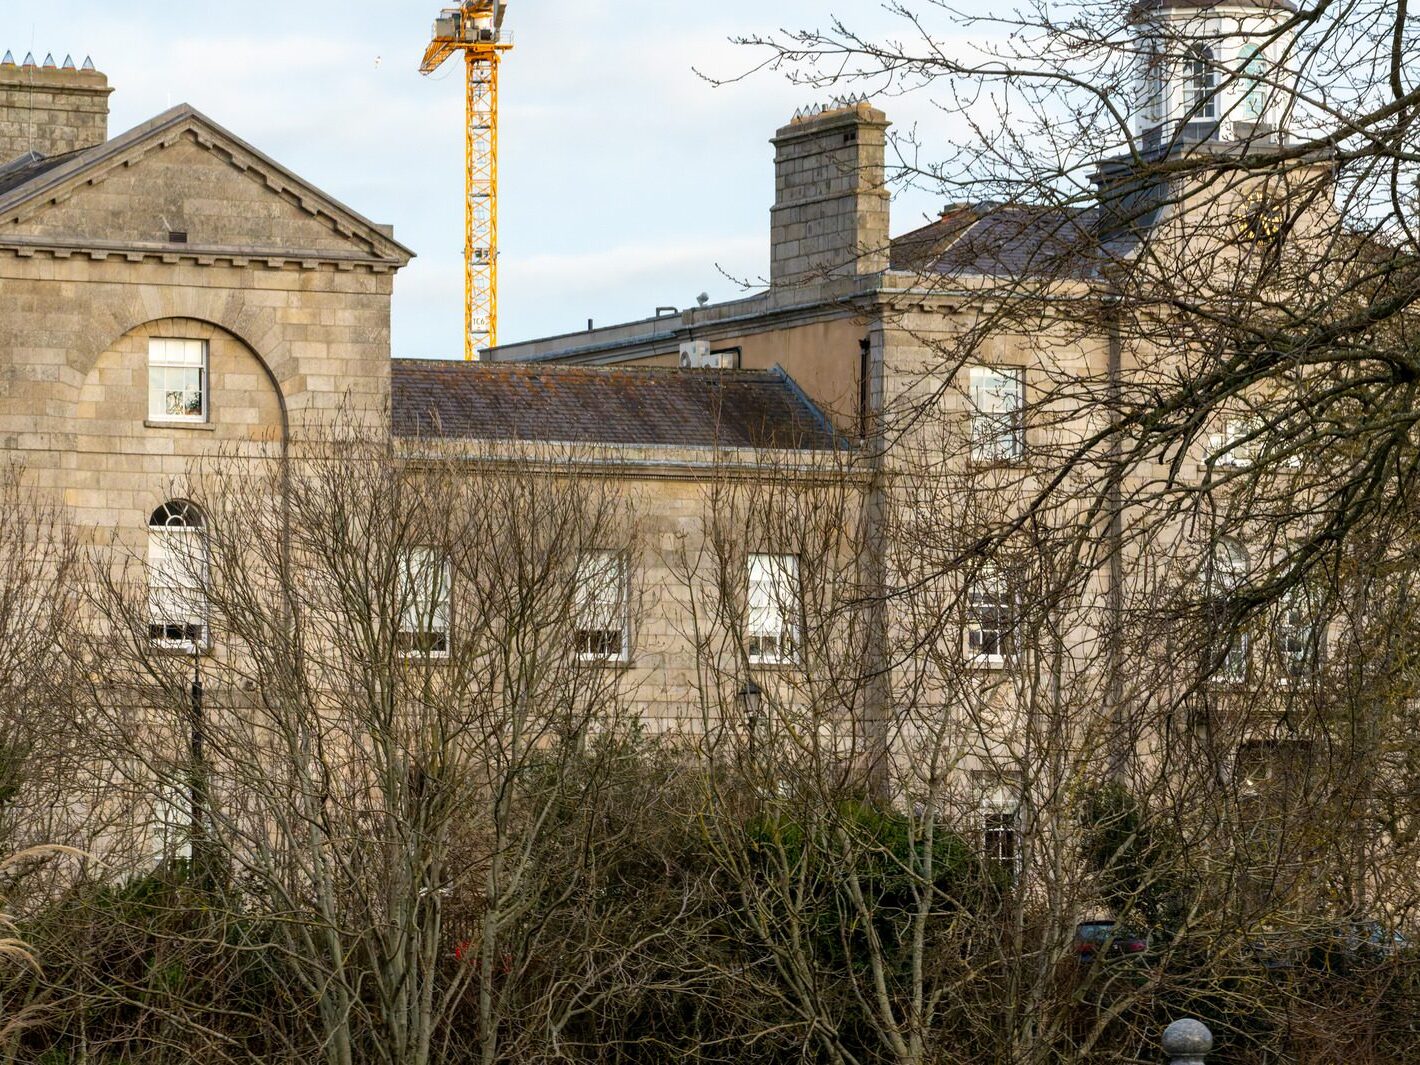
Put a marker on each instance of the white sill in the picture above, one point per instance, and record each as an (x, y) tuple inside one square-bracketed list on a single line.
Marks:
[(200, 424), (986, 661), (604, 660), (1228, 683), (181, 647)]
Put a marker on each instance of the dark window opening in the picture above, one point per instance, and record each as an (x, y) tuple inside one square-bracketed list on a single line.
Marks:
[(865, 386), (175, 632), (428, 642), (599, 643)]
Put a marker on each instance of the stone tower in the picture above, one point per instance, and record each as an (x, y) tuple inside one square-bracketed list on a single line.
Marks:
[(1213, 71)]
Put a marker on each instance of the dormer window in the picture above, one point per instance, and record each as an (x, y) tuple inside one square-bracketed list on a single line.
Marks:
[(1200, 84)]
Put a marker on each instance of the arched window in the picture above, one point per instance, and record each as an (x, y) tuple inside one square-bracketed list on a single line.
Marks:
[(1154, 85), (1228, 566), (1254, 70), (177, 577), (1199, 84)]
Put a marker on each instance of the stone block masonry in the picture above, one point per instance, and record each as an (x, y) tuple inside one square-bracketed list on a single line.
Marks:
[(51, 111), (831, 203)]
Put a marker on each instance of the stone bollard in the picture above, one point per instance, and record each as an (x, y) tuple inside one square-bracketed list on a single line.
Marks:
[(1186, 1041)]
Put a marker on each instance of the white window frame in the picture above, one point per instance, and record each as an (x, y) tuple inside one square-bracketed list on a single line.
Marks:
[(773, 609), (1227, 448), (989, 592), (1253, 69), (603, 607), (177, 575), (424, 609), (1296, 639), (168, 356), (998, 808), (1227, 567), (1200, 83), (1001, 825), (1155, 86), (997, 398)]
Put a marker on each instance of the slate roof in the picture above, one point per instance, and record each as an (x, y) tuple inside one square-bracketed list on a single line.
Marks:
[(1000, 240), (628, 405), (25, 168)]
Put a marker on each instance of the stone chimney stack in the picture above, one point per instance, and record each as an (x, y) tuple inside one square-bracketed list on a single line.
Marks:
[(50, 109), (830, 217)]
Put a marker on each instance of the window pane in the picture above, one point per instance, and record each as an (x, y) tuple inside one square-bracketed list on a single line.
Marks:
[(1199, 81), (1237, 444), (424, 582), (989, 602), (1295, 637), (1254, 69), (997, 399), (601, 604), (177, 378), (177, 578), (773, 606)]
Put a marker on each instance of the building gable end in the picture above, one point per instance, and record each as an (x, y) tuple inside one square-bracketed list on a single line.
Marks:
[(186, 186)]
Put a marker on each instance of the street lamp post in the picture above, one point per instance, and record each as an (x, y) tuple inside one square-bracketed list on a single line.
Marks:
[(751, 695)]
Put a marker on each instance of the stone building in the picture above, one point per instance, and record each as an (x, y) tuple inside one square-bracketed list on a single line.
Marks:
[(172, 293), (167, 294), (947, 406)]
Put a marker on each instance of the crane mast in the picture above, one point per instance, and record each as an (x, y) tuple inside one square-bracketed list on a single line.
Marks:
[(475, 28)]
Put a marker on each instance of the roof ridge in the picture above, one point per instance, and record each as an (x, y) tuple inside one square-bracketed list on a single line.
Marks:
[(590, 370)]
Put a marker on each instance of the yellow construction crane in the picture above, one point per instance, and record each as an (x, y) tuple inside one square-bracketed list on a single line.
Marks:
[(475, 28)]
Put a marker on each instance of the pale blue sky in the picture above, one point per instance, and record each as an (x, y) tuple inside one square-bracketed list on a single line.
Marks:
[(627, 181)]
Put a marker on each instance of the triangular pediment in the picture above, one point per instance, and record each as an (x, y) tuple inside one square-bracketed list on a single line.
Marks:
[(182, 184)]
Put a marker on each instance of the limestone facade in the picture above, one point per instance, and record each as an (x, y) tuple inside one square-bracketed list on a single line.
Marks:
[(176, 229)]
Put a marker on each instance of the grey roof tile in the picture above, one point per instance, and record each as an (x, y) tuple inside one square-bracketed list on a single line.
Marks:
[(635, 405)]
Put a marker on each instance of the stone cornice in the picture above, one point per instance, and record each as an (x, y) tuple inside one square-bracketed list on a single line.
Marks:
[(92, 166), (201, 255)]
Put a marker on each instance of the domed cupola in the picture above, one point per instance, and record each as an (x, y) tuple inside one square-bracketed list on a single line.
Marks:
[(1214, 71)]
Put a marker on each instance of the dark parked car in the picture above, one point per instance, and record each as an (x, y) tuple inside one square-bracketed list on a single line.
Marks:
[(1095, 938), (1340, 948)]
